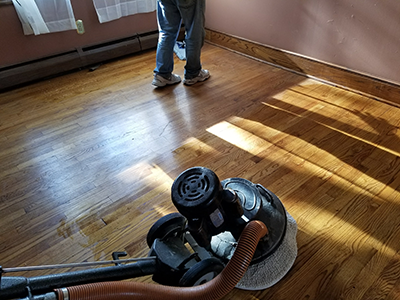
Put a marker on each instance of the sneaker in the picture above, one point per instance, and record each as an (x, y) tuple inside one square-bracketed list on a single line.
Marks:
[(160, 81), (203, 75)]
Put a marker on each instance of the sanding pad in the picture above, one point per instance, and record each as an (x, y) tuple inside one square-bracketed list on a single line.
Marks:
[(269, 271)]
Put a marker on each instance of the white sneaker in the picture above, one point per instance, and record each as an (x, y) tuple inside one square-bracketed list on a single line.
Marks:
[(160, 81), (203, 75)]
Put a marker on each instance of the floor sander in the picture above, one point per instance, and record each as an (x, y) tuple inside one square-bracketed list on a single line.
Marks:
[(230, 233)]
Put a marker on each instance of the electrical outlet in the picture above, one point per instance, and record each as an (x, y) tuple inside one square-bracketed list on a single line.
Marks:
[(79, 27)]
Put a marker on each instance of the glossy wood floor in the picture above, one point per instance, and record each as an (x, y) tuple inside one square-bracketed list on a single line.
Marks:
[(87, 161)]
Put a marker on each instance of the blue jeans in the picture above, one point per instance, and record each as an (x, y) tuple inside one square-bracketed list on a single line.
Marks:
[(170, 14)]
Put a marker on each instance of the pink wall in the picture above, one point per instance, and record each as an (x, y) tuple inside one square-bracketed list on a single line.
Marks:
[(362, 35), (15, 47)]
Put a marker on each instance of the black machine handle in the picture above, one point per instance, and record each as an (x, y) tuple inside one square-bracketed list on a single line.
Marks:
[(19, 287)]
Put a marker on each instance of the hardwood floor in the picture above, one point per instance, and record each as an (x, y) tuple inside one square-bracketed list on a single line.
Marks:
[(88, 160)]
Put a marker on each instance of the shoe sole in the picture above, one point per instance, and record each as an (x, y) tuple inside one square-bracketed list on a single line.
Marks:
[(163, 84), (198, 80)]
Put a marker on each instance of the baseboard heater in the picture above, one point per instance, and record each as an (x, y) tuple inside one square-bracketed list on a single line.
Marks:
[(15, 75)]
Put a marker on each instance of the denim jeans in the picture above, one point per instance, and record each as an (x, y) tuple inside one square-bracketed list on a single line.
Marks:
[(170, 14)]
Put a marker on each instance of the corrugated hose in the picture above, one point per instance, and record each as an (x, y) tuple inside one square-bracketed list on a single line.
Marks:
[(215, 289)]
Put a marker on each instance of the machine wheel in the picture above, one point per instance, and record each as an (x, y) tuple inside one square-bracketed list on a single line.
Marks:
[(168, 225), (202, 272)]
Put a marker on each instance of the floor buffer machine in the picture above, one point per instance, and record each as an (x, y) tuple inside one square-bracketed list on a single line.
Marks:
[(230, 233)]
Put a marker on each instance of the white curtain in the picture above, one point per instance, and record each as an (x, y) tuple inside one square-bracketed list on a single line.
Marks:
[(108, 10), (44, 16)]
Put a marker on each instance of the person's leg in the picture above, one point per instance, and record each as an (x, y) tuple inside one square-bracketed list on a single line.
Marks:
[(169, 23), (192, 12)]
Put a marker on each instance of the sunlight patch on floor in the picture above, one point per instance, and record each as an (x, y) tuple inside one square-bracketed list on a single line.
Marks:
[(360, 120), (196, 147), (304, 150), (146, 172), (239, 137), (320, 223)]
